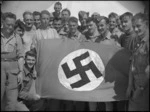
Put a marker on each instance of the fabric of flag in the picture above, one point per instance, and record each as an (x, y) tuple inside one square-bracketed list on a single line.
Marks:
[(87, 71)]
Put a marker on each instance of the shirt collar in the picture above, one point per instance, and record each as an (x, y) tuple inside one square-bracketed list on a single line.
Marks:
[(74, 35), (146, 36)]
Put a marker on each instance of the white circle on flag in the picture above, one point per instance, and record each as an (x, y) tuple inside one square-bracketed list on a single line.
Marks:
[(86, 80)]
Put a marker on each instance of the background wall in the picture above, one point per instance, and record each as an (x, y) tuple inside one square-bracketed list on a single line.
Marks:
[(103, 7)]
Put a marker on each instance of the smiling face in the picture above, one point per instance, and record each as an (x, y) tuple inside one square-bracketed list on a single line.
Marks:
[(139, 27), (126, 23), (28, 19), (112, 23), (102, 26), (37, 21), (30, 61)]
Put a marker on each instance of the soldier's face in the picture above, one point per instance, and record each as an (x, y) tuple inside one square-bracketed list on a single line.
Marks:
[(19, 31), (9, 24), (91, 27), (65, 14), (37, 21), (57, 25), (45, 20), (30, 61), (83, 20), (28, 19), (102, 26), (139, 27), (57, 8), (73, 27), (126, 23), (66, 27), (112, 23)]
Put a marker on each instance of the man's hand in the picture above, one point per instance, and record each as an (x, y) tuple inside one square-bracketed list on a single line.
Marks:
[(20, 78), (37, 97), (129, 91)]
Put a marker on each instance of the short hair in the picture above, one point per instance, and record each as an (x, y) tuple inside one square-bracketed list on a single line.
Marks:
[(20, 24), (27, 12), (67, 11), (57, 19), (102, 18), (89, 19), (58, 3), (35, 13), (45, 12), (31, 53), (9, 15), (82, 13), (141, 16), (73, 19), (126, 14), (114, 15)]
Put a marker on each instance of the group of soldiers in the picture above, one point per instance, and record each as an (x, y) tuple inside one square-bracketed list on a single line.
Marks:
[(18, 54)]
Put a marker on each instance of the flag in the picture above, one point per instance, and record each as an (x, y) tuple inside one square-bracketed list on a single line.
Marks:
[(87, 71)]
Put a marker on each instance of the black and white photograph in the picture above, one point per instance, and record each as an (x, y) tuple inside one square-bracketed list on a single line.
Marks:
[(74, 55)]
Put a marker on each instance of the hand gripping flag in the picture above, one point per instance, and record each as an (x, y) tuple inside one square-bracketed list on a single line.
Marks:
[(85, 71)]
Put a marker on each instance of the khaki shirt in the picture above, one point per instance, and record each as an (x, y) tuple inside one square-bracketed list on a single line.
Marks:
[(77, 36), (13, 44), (28, 81), (140, 59)]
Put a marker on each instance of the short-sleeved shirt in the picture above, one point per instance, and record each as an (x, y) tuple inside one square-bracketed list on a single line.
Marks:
[(77, 36), (28, 80), (127, 40), (48, 33), (13, 44)]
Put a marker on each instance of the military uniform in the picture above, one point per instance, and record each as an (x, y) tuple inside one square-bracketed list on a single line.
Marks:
[(77, 36), (127, 40), (140, 60), (11, 51), (27, 93)]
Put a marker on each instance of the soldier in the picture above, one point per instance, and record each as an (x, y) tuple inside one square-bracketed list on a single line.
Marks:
[(82, 18), (29, 99), (29, 33), (12, 59), (57, 8), (65, 13), (37, 19), (138, 87), (92, 33), (45, 32), (105, 35), (127, 39), (19, 28), (73, 31), (58, 25), (114, 24)]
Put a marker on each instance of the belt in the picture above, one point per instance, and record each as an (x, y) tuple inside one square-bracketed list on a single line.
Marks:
[(9, 60)]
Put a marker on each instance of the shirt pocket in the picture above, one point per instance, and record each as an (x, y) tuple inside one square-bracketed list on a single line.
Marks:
[(11, 47)]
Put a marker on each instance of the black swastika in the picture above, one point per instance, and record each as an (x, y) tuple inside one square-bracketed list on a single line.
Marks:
[(81, 70)]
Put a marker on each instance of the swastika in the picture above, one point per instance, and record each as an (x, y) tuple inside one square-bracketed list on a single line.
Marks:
[(81, 70)]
